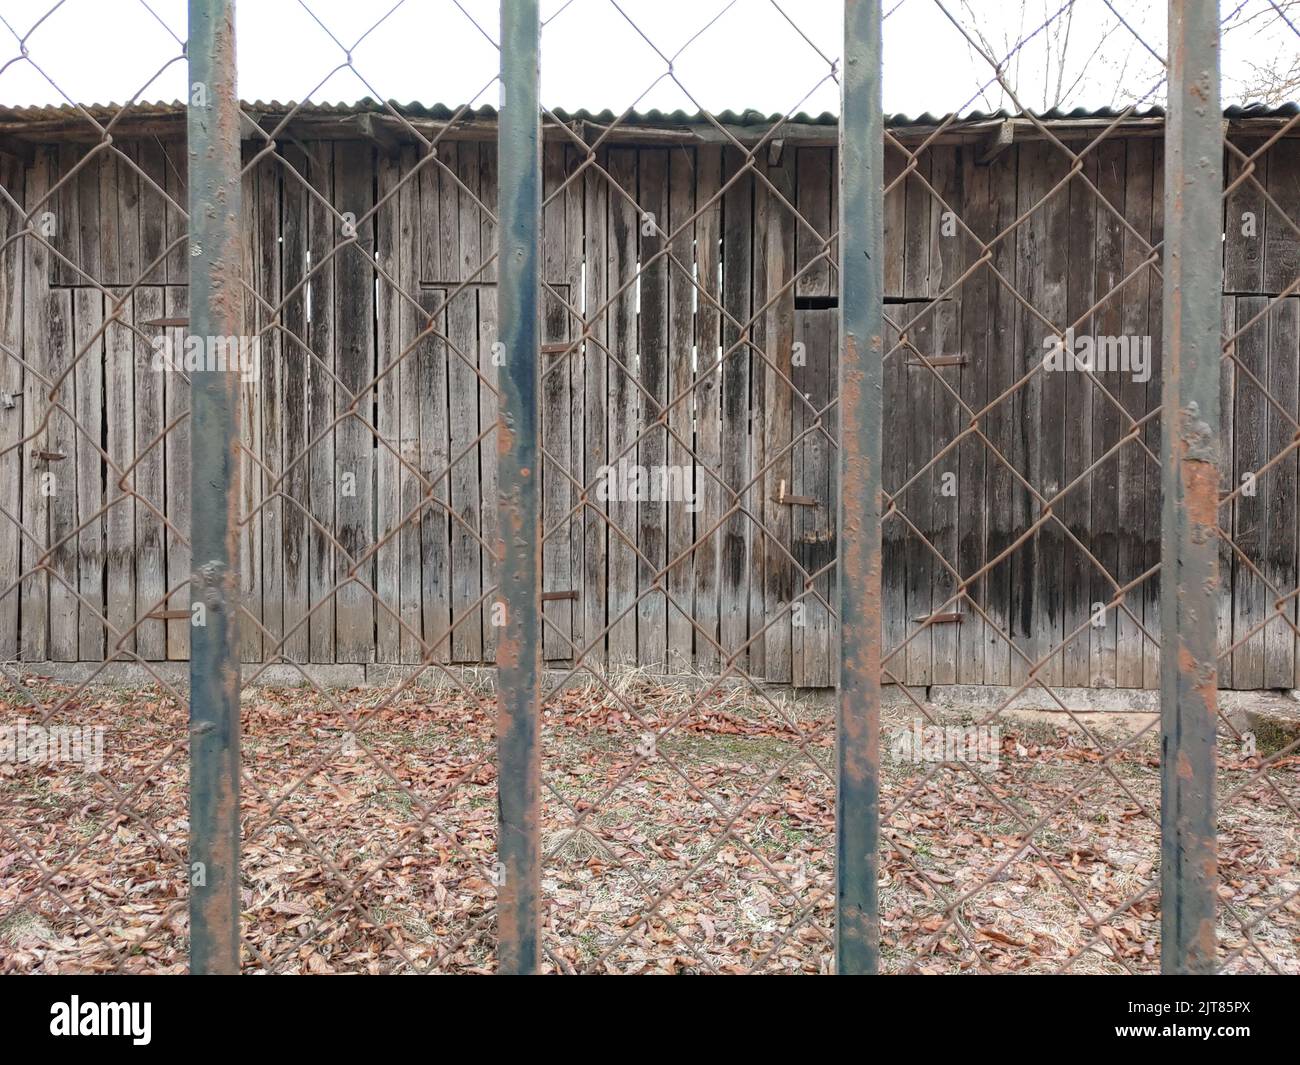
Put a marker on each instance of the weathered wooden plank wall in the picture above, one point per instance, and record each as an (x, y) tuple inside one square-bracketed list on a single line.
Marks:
[(370, 482)]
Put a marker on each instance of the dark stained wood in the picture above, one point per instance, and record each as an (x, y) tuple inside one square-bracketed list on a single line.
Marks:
[(354, 294), (730, 418), (652, 450)]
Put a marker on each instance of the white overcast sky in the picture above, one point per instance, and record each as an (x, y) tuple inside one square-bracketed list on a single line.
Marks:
[(748, 53)]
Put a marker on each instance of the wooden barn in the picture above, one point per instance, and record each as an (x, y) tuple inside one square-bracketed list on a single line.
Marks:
[(700, 255)]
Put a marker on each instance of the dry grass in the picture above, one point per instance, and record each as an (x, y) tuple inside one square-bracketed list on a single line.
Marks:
[(370, 842)]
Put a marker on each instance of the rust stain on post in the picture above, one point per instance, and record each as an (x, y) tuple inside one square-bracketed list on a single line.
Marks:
[(1190, 460), (216, 309), (861, 299)]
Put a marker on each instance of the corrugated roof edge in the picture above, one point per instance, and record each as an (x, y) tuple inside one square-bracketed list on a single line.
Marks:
[(652, 117)]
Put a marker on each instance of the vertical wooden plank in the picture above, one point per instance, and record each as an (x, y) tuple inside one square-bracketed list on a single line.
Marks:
[(708, 407), (894, 221), (109, 237), (737, 244), (813, 526), (1037, 171), (323, 232), (680, 349), (177, 265), (556, 461), (65, 204), (1227, 483), (126, 214), (945, 494), (410, 389), (757, 403), (153, 210), (439, 235), (918, 502), (11, 408), (624, 420), (976, 209), (177, 455), (1078, 568), (1049, 472), (893, 531), (434, 523), (918, 208), (150, 455), (947, 262), (88, 257), (119, 409), (388, 466), (251, 479), (354, 295), (778, 261), (919, 213), (126, 187), (60, 438), (1106, 425), (271, 380), (575, 264), (652, 451), (488, 359), (36, 353), (1281, 236), (1001, 425), (1278, 488), (595, 450), (1244, 218), (435, 528), (1137, 478), (1155, 324), (1250, 516), (462, 325), (297, 371), (142, 226)]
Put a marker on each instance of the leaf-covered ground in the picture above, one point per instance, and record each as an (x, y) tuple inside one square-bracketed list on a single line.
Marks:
[(681, 835)]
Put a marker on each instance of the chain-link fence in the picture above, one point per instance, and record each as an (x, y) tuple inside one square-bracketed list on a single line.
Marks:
[(96, 451), (999, 525), (628, 541), (1257, 894)]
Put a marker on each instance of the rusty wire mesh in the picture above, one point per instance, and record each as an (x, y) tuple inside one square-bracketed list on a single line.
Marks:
[(688, 806), (344, 463), (689, 823), (94, 450), (1001, 887), (1257, 896), (1049, 862)]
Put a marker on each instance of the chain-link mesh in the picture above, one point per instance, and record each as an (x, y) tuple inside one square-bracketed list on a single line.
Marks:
[(688, 820), (369, 819), (1045, 856), (1256, 786), (1017, 517), (94, 446), (689, 468)]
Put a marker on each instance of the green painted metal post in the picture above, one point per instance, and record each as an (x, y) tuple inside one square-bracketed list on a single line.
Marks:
[(1189, 593), (519, 646), (857, 925), (216, 305)]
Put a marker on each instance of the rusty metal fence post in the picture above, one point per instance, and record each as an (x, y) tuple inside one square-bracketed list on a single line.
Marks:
[(519, 648), (1190, 480), (857, 927), (216, 305)]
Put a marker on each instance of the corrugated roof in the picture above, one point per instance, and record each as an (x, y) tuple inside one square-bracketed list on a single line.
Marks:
[(653, 117)]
